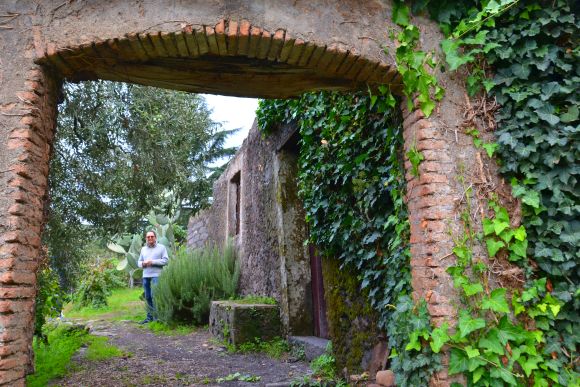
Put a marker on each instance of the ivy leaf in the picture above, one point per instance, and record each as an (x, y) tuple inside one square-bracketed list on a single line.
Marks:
[(458, 362), (488, 227), (505, 375), (490, 148), (400, 14), (496, 301), (520, 233), (548, 89), (518, 307), (472, 289), (493, 246), (467, 324), (520, 248), (427, 107), (471, 352), (530, 363), (491, 342), (451, 49), (546, 113), (571, 115), (508, 331), (478, 373), (440, 337)]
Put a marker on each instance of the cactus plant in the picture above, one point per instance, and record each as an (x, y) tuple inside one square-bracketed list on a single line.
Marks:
[(130, 246)]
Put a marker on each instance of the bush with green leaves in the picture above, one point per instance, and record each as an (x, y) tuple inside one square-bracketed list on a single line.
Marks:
[(97, 283), (191, 280), (50, 298)]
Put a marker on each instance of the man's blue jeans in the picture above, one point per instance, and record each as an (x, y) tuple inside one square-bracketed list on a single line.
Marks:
[(148, 286)]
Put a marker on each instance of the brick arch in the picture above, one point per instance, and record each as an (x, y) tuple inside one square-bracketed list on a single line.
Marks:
[(244, 48), (231, 58)]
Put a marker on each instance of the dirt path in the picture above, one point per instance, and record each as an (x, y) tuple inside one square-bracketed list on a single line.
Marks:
[(164, 360)]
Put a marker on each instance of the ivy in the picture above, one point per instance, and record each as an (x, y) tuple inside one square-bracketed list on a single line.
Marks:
[(415, 66), (352, 184), (525, 55)]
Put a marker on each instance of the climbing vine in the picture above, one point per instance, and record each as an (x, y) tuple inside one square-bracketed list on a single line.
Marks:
[(352, 186), (351, 181), (525, 54)]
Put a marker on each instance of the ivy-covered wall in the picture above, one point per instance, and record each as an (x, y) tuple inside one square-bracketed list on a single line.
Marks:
[(352, 186)]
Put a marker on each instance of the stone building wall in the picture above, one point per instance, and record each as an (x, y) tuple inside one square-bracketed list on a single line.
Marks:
[(197, 232)]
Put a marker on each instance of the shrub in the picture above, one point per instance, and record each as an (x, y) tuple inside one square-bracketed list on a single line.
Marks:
[(50, 298), (97, 283), (191, 280)]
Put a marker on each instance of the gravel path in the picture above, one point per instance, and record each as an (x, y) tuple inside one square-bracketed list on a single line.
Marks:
[(164, 360)]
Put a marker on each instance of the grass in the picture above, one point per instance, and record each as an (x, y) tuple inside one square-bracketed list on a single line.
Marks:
[(52, 358), (160, 328), (122, 304), (253, 299)]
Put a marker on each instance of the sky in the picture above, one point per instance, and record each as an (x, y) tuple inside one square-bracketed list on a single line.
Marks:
[(233, 112)]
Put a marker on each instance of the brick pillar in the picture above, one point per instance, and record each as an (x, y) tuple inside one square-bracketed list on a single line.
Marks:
[(28, 119), (433, 217)]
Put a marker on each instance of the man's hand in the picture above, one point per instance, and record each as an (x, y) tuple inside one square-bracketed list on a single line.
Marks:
[(148, 263)]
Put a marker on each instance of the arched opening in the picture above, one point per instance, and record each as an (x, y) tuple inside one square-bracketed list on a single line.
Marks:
[(230, 58)]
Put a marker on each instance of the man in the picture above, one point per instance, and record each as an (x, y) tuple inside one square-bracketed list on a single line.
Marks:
[(152, 259)]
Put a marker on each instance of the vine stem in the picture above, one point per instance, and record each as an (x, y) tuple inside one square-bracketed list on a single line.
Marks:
[(488, 361), (487, 18)]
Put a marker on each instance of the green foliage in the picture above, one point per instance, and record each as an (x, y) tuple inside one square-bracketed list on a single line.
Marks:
[(119, 146), (324, 366), (100, 349), (412, 362), (489, 345), (50, 298), (533, 51), (97, 284), (254, 299), (130, 247), (52, 357), (191, 280), (274, 348), (161, 328), (241, 377), (352, 185), (122, 304), (415, 157), (415, 66)]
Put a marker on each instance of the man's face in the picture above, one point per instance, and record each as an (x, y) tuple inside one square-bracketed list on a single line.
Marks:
[(151, 239)]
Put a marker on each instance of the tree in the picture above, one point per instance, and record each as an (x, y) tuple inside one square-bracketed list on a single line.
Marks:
[(118, 147)]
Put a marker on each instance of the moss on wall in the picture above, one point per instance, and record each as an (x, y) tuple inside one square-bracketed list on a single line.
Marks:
[(352, 322)]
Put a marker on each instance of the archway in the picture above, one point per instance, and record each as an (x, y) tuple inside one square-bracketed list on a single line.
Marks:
[(242, 48)]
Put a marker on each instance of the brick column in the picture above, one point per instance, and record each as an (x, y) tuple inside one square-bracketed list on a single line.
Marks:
[(27, 125), (432, 216)]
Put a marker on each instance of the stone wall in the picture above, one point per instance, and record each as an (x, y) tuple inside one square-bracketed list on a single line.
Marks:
[(271, 231), (197, 232)]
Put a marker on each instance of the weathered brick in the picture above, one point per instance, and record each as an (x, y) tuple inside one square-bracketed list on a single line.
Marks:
[(13, 377), (13, 361), (17, 277), (17, 292)]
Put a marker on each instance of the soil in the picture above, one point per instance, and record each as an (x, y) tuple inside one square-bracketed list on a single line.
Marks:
[(174, 360)]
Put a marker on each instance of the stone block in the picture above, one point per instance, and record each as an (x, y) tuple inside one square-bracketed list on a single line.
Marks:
[(386, 378), (241, 323)]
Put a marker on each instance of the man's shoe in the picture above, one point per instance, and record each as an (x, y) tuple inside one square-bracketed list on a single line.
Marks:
[(145, 321)]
